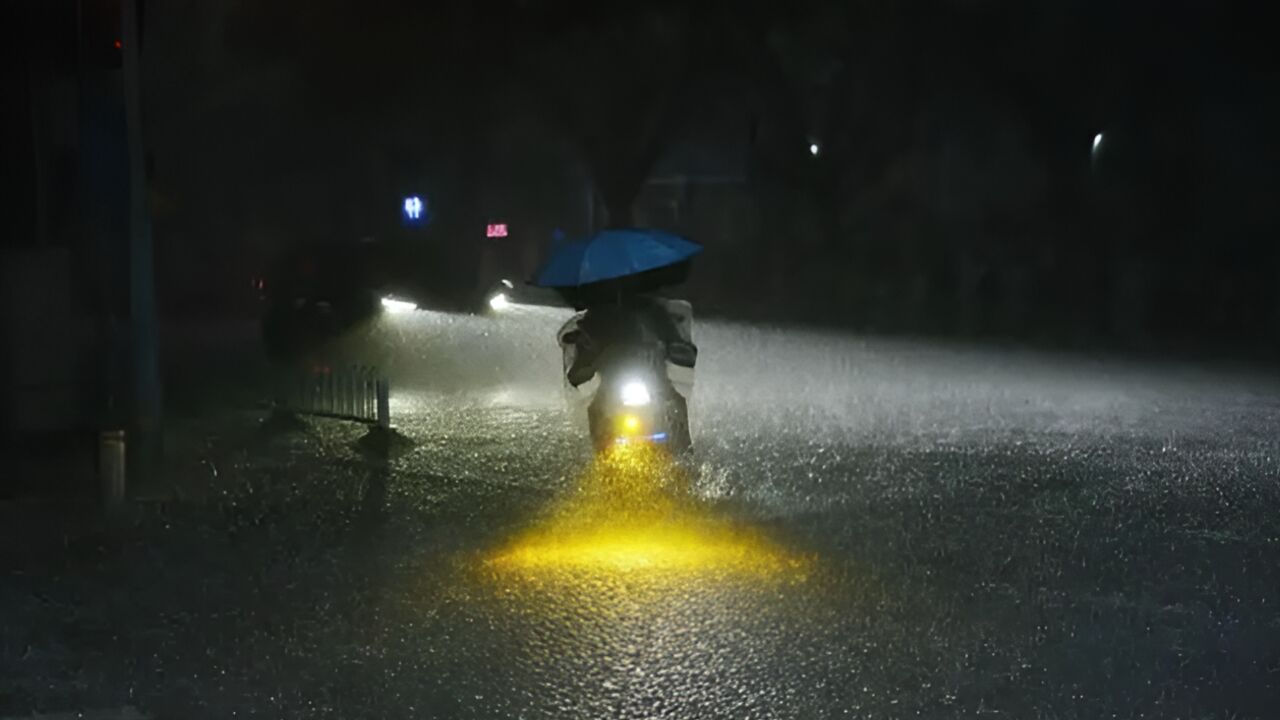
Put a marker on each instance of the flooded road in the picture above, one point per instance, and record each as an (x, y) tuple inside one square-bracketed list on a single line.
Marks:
[(866, 528)]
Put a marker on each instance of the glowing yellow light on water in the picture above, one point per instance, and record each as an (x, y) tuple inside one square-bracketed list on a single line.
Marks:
[(631, 423), (629, 514), (685, 547)]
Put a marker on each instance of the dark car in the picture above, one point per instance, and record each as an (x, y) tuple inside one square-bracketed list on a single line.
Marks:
[(316, 293)]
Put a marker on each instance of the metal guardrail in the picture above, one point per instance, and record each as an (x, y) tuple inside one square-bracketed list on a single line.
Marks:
[(358, 393)]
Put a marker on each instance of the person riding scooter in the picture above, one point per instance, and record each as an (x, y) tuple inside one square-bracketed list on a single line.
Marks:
[(638, 345), (636, 320), (641, 341)]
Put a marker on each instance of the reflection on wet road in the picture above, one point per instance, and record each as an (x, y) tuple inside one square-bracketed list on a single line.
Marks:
[(628, 599), (865, 528), (630, 512)]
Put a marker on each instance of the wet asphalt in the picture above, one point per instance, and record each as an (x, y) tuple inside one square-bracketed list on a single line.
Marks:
[(866, 528)]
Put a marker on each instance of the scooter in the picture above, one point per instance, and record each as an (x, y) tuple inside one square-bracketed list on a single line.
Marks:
[(635, 402)]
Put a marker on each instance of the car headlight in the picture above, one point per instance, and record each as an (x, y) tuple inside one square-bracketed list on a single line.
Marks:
[(499, 302), (635, 393), (393, 305)]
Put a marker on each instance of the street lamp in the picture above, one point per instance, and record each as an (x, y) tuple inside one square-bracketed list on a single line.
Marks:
[(813, 149)]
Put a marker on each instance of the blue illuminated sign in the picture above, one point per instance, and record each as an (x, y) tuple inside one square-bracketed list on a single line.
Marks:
[(413, 208)]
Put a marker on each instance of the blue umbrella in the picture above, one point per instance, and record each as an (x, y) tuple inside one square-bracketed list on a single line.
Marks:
[(613, 254)]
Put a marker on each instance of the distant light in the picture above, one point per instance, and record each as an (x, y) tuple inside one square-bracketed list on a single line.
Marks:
[(499, 302), (495, 230), (813, 149), (117, 44), (1097, 140), (396, 307), (413, 208)]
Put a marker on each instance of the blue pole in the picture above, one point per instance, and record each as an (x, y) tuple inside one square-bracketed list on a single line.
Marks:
[(142, 309)]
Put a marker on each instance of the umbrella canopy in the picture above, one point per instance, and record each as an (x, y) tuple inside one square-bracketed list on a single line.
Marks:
[(614, 254)]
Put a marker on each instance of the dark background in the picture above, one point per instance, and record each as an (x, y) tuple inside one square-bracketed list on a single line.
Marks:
[(955, 189), (997, 531)]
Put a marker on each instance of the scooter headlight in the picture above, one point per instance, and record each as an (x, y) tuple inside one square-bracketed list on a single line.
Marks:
[(635, 393)]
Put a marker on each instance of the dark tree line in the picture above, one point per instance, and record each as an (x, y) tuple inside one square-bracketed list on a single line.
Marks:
[(955, 187)]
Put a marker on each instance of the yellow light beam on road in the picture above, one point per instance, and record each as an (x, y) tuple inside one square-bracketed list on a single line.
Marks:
[(631, 513)]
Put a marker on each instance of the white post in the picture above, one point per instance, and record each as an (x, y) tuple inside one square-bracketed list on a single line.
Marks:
[(111, 468), (384, 404)]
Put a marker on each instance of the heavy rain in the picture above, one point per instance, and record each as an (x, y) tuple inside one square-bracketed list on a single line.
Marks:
[(884, 528), (640, 360)]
